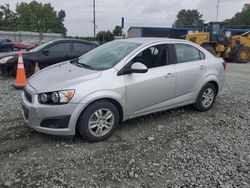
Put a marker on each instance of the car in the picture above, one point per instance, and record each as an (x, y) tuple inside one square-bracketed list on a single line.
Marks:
[(118, 81), (6, 45), (27, 44), (46, 54)]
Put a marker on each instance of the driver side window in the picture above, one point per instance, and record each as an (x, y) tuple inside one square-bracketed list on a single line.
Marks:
[(155, 56)]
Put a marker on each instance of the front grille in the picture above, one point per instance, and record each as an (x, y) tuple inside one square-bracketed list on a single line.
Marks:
[(56, 122), (28, 96), (25, 112)]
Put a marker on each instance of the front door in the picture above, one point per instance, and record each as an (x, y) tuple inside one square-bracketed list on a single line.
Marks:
[(148, 91)]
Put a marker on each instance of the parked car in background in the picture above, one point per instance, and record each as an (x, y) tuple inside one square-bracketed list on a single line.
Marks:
[(6, 45), (27, 44), (118, 81), (46, 54)]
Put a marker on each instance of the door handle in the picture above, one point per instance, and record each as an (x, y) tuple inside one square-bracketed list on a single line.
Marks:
[(169, 75), (202, 67)]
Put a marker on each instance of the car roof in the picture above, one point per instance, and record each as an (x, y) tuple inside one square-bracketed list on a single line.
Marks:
[(73, 40), (147, 40)]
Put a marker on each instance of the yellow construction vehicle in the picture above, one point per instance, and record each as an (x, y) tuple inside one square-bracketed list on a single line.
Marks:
[(212, 36)]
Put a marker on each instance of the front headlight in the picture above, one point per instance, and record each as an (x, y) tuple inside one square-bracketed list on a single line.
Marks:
[(56, 97), (5, 59)]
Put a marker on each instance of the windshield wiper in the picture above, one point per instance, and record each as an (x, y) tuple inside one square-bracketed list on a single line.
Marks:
[(84, 65), (76, 62)]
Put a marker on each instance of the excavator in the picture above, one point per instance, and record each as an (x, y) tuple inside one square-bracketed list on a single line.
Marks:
[(212, 36)]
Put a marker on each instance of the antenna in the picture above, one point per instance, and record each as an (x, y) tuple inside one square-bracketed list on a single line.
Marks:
[(94, 17), (217, 14)]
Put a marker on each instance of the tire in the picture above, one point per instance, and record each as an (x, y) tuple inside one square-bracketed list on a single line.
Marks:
[(210, 49), (242, 55), (200, 103), (93, 118), (29, 69)]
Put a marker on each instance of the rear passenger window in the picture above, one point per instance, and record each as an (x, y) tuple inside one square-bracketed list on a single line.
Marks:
[(186, 53)]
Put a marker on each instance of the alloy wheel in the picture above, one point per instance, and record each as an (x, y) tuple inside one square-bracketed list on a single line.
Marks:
[(101, 122), (208, 97)]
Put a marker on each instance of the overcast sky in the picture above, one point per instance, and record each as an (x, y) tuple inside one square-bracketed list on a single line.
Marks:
[(79, 13)]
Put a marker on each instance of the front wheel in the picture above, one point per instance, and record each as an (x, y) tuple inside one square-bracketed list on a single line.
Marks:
[(206, 98), (98, 121)]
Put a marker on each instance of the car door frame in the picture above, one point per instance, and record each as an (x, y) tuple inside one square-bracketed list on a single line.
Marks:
[(171, 62), (188, 97)]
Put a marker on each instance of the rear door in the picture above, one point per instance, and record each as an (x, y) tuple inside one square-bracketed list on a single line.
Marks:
[(190, 68)]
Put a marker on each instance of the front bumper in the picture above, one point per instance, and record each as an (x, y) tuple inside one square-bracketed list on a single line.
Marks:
[(35, 113)]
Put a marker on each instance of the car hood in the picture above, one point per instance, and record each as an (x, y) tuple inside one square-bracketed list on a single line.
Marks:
[(61, 76)]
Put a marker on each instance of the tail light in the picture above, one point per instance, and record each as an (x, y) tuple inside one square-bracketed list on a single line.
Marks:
[(224, 65)]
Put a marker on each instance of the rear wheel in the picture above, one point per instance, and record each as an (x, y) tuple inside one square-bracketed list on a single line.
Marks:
[(206, 98), (98, 121), (210, 49), (243, 55)]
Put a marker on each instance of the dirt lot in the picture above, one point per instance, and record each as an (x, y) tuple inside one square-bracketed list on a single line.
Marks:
[(177, 148)]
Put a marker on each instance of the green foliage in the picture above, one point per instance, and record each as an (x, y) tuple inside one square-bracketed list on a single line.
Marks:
[(104, 36), (241, 19), (7, 18), (33, 16), (189, 18), (117, 31)]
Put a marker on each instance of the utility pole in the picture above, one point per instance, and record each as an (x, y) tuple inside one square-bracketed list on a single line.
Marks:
[(94, 18), (217, 14)]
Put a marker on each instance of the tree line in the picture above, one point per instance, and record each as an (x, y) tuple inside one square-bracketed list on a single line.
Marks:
[(33, 16), (193, 18)]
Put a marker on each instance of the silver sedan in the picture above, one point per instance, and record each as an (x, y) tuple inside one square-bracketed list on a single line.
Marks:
[(118, 81)]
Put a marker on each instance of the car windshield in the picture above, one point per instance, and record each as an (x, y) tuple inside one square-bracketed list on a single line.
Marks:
[(108, 55), (41, 46)]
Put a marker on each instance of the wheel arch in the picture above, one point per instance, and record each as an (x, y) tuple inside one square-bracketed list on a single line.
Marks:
[(113, 100), (209, 79), (216, 85)]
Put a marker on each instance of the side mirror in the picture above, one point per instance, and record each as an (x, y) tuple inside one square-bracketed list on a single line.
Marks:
[(134, 68), (138, 68), (46, 51)]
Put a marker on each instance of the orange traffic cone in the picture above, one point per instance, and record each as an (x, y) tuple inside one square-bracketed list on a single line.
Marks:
[(37, 67), (20, 73)]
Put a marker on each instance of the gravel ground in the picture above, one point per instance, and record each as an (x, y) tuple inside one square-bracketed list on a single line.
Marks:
[(176, 148)]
